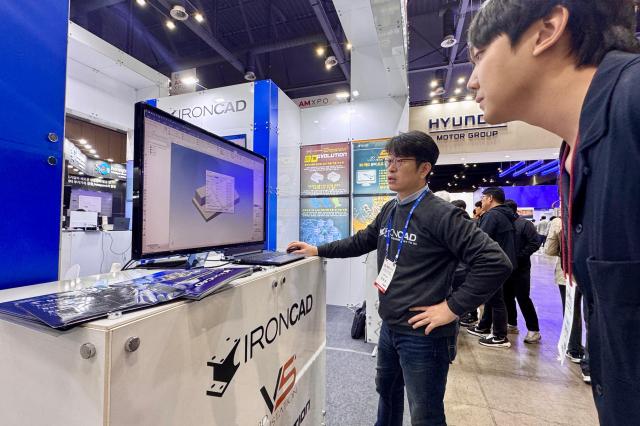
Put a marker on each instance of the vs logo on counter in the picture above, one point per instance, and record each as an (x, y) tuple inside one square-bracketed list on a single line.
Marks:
[(284, 385)]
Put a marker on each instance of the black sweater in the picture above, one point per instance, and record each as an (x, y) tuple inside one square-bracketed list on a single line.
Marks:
[(527, 242), (437, 239), (498, 223)]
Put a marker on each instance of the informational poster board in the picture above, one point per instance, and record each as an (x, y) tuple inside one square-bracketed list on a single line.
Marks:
[(89, 203), (325, 169), (366, 208), (369, 170), (324, 220)]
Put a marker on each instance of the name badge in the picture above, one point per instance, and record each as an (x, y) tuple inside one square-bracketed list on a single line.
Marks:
[(385, 276)]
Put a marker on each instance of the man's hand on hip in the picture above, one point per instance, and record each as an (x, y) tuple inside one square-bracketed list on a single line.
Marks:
[(432, 316)]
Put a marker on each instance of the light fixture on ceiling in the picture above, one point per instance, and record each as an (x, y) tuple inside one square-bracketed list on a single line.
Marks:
[(327, 67), (142, 3), (462, 80), (451, 100), (80, 173), (170, 24), (87, 146), (342, 95), (179, 13), (93, 151), (69, 166), (448, 41), (320, 51), (491, 180), (432, 94), (468, 98), (507, 156), (198, 17), (331, 61), (508, 182), (189, 80), (82, 141), (433, 84), (96, 156), (250, 76), (355, 93), (439, 91), (435, 101), (349, 46), (457, 91)]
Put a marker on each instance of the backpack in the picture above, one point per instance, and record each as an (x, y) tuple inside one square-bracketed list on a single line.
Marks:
[(359, 321)]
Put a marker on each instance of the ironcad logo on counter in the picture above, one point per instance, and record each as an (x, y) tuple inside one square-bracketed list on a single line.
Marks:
[(225, 367)]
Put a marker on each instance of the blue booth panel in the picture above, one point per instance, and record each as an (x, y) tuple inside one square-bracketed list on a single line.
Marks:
[(33, 42)]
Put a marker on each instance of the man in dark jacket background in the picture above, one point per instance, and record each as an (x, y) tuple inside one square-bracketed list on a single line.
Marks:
[(498, 222), (518, 286)]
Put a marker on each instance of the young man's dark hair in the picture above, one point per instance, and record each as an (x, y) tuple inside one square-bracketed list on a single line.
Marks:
[(478, 204), (460, 204), (596, 26), (543, 218), (496, 193), (415, 144)]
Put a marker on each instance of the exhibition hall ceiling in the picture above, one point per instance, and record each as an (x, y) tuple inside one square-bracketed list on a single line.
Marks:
[(288, 41), (225, 39)]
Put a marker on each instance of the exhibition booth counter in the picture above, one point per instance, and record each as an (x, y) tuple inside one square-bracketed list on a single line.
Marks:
[(253, 353)]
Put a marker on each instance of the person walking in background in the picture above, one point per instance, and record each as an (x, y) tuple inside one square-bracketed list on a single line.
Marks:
[(477, 211), (543, 229), (498, 222), (576, 352), (518, 286), (469, 318)]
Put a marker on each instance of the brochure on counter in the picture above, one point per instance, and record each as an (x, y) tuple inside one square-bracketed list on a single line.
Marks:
[(66, 309)]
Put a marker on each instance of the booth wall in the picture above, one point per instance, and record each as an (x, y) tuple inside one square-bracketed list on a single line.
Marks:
[(358, 120)]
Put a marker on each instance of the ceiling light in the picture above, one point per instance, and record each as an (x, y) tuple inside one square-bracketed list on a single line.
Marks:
[(456, 177), (491, 180), (320, 51), (96, 156), (449, 184), (440, 91), (507, 156), (190, 80), (457, 91), (468, 98), (355, 93), (342, 95), (69, 166), (448, 41), (198, 17), (87, 146), (141, 3), (110, 160), (434, 84), (484, 179), (170, 24), (331, 61), (475, 165), (435, 101), (93, 151), (80, 173), (250, 76), (461, 80), (327, 67), (508, 182), (453, 100), (179, 13), (432, 94), (82, 141), (349, 46), (464, 176)]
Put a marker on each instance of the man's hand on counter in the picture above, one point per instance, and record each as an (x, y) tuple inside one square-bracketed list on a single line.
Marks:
[(298, 247)]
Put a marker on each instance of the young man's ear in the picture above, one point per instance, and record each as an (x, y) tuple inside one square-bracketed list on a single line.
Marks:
[(550, 30), (425, 169)]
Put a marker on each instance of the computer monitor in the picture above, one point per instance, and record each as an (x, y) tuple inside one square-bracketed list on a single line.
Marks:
[(193, 191)]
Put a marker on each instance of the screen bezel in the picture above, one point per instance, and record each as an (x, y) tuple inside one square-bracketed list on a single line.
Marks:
[(138, 186)]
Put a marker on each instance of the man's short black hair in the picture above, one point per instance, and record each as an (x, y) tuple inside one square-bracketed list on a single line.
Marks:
[(543, 217), (459, 204), (512, 205), (478, 204), (496, 193), (596, 27), (414, 144)]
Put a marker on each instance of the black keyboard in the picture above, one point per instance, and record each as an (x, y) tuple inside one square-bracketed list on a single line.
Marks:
[(269, 258)]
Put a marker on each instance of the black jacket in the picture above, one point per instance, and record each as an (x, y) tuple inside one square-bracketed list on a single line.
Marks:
[(498, 223), (527, 242), (606, 233), (437, 239)]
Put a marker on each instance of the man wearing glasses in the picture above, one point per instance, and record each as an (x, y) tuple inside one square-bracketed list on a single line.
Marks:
[(420, 239)]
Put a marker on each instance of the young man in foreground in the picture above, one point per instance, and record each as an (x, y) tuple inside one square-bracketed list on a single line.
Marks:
[(419, 239), (572, 67)]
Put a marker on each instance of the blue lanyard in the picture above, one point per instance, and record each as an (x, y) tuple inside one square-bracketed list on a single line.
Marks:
[(406, 226)]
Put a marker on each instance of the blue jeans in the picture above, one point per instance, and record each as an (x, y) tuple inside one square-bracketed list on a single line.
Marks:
[(419, 363)]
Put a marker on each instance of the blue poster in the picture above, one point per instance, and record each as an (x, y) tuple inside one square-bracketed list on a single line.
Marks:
[(324, 220), (369, 170)]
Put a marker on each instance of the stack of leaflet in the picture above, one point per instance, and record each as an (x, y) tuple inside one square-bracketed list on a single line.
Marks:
[(64, 310)]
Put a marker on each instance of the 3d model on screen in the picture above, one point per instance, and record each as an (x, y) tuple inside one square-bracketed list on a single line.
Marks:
[(217, 196)]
